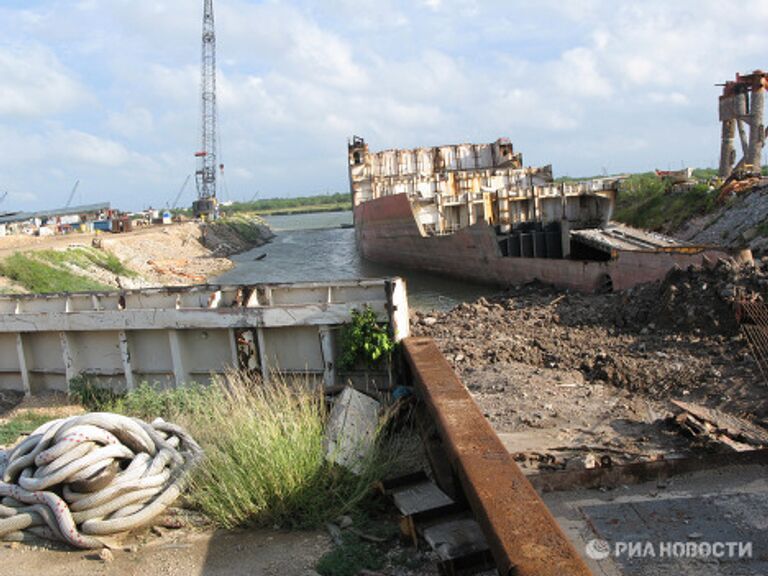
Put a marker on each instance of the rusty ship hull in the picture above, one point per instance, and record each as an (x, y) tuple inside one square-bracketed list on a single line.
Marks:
[(387, 232), (473, 212)]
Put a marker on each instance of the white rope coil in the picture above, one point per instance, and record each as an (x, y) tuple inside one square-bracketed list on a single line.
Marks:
[(92, 475)]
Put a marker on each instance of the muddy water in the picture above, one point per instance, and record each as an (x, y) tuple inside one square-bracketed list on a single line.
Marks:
[(315, 247)]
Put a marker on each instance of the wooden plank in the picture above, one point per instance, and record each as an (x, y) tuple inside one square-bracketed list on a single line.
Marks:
[(456, 538), (733, 426), (419, 498)]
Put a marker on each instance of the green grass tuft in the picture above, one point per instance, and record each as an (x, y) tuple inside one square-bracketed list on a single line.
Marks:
[(264, 461), (40, 277), (22, 423)]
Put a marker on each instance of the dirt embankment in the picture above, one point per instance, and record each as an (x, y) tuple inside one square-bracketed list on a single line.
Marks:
[(169, 255), (554, 369), (176, 254), (739, 223)]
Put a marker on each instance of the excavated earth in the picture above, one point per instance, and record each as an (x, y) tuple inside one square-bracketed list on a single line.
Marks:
[(569, 378)]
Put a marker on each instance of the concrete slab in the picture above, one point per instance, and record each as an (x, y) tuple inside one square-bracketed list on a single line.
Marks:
[(712, 522)]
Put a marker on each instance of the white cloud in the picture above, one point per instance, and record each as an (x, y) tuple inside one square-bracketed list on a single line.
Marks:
[(131, 123), (35, 83), (108, 89)]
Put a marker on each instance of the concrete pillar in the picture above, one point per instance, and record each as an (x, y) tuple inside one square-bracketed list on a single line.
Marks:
[(125, 357), (70, 370), (22, 354), (329, 356), (727, 149), (263, 361), (757, 130), (177, 358)]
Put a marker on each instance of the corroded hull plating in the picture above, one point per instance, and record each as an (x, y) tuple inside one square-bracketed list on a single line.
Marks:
[(387, 232)]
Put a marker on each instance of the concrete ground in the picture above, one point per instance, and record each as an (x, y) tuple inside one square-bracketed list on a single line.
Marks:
[(709, 523)]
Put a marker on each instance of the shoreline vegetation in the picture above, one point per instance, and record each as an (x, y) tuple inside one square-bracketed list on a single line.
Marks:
[(337, 202)]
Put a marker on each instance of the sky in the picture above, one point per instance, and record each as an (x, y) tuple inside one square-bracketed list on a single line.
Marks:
[(107, 91)]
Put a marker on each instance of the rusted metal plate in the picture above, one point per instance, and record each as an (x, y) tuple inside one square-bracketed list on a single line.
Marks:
[(523, 535), (639, 472)]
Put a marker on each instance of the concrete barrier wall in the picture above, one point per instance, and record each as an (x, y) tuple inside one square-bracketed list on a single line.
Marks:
[(181, 335)]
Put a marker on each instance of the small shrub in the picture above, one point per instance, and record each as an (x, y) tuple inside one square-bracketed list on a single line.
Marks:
[(363, 340), (149, 402), (90, 396)]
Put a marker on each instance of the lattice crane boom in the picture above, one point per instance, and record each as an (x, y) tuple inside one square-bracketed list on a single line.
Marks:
[(205, 175)]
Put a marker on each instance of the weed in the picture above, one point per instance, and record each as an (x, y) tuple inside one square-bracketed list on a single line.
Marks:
[(90, 396), (352, 556), (22, 423), (185, 402), (363, 340), (265, 462)]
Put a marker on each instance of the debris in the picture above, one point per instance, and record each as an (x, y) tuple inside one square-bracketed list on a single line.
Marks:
[(732, 431), (106, 556), (368, 537), (351, 429), (335, 533)]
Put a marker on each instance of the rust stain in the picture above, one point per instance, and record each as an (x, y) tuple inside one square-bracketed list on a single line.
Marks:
[(524, 537)]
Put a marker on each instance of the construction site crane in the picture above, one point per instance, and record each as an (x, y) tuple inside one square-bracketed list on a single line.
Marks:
[(72, 194), (205, 207), (2, 196), (181, 191)]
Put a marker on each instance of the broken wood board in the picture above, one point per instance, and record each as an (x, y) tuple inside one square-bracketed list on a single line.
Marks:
[(738, 429)]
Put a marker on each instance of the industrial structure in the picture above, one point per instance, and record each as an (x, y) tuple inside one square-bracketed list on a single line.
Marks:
[(743, 103), (473, 211), (205, 207)]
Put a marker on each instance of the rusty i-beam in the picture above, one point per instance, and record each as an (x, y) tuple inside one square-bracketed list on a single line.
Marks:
[(523, 535)]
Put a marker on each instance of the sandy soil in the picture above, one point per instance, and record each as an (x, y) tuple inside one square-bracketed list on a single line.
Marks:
[(167, 255)]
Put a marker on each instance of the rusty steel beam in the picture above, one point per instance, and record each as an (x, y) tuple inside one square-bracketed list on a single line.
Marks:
[(524, 537)]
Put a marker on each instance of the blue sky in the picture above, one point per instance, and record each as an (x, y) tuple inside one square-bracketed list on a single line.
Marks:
[(106, 91)]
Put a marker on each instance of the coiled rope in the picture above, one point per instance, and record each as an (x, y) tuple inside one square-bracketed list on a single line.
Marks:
[(91, 475)]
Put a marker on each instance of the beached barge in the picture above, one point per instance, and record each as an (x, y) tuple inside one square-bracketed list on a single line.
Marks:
[(177, 335), (473, 211)]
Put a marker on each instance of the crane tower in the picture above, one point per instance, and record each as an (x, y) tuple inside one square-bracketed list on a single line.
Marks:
[(206, 204)]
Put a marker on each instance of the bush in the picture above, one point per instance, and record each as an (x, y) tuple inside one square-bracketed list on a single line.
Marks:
[(364, 341)]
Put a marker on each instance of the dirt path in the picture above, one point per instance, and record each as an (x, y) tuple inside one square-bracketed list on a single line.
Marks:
[(179, 553)]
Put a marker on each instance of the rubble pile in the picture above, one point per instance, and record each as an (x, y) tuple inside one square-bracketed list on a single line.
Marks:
[(696, 299), (673, 338)]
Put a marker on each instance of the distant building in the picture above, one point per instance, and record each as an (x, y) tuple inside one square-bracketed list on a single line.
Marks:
[(59, 221)]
